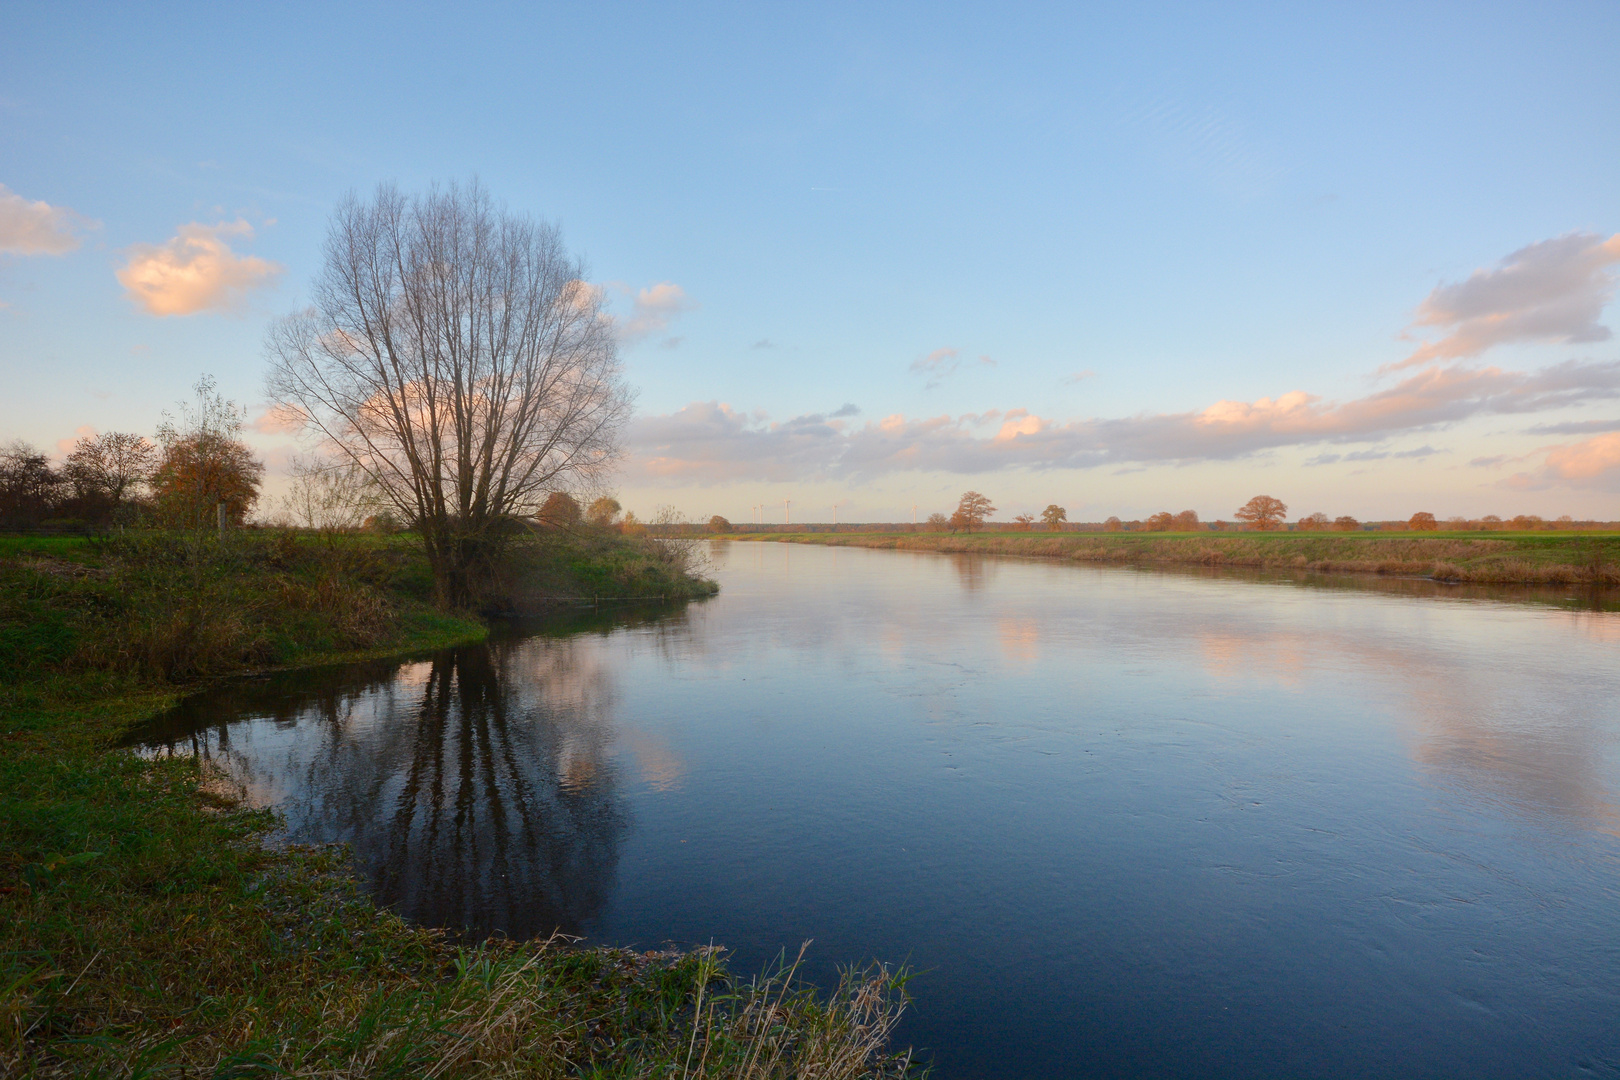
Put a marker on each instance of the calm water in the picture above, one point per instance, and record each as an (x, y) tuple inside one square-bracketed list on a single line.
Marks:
[(1127, 823)]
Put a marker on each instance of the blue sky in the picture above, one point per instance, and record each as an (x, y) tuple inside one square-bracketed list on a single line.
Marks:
[(1124, 260)]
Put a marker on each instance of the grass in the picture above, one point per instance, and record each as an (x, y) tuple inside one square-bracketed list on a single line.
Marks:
[(1531, 558), (145, 929)]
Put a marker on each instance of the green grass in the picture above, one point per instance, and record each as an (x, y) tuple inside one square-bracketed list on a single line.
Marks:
[(146, 931), (1529, 558)]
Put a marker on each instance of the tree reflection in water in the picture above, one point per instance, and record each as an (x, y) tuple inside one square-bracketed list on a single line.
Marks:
[(472, 799)]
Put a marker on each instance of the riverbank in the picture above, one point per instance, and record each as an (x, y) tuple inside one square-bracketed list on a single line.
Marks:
[(145, 929), (1538, 558)]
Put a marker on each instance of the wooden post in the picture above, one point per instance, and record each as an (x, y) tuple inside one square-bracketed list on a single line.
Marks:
[(219, 512)]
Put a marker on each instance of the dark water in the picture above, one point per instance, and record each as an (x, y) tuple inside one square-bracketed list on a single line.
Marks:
[(1127, 823)]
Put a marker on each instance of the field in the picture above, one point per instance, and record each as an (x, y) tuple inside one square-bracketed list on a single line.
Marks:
[(1498, 558), (145, 930)]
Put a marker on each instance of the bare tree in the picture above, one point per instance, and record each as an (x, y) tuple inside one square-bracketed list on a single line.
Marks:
[(456, 355), (329, 496), (109, 466)]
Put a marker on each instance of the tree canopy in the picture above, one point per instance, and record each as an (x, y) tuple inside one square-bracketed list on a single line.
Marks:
[(1262, 512), (455, 353)]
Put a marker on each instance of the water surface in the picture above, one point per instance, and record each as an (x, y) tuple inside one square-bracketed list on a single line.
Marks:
[(1127, 823)]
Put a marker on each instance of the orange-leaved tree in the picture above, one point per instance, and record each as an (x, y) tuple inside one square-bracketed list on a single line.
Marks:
[(205, 473), (1054, 516), (559, 511), (1262, 512), (972, 511), (1423, 521)]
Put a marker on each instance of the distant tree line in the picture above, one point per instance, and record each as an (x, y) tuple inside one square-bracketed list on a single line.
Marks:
[(197, 472), (1263, 513)]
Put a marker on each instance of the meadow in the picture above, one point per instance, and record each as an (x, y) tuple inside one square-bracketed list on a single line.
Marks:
[(1498, 558), (146, 929)]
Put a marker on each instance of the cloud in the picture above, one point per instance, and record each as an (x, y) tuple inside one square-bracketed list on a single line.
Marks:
[(848, 409), (1488, 462), (38, 228), (1581, 427), (195, 271), (763, 343), (66, 446), (278, 420), (1079, 376), (1596, 458), (1553, 291), (1592, 463), (708, 442), (941, 364), (653, 309)]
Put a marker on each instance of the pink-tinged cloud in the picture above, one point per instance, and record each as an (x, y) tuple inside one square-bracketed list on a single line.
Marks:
[(64, 447), (1592, 463), (653, 309), (709, 442), (38, 228), (195, 271), (279, 420), (1552, 291)]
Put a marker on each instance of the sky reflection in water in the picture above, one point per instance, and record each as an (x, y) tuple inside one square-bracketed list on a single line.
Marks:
[(1128, 823)]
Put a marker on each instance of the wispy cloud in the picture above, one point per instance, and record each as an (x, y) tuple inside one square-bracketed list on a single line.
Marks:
[(1208, 142), (653, 309), (709, 442), (763, 343), (1079, 376), (38, 228), (1576, 427), (278, 420), (941, 364), (195, 271), (1551, 291)]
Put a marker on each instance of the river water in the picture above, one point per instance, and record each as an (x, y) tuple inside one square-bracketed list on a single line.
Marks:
[(1124, 823)]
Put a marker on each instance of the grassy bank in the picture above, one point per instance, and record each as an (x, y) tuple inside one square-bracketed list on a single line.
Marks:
[(1537, 558), (146, 931)]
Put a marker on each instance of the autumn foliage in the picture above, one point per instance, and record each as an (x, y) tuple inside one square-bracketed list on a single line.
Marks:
[(1262, 512)]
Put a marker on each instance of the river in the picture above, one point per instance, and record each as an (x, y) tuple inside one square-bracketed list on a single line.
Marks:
[(1123, 822)]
